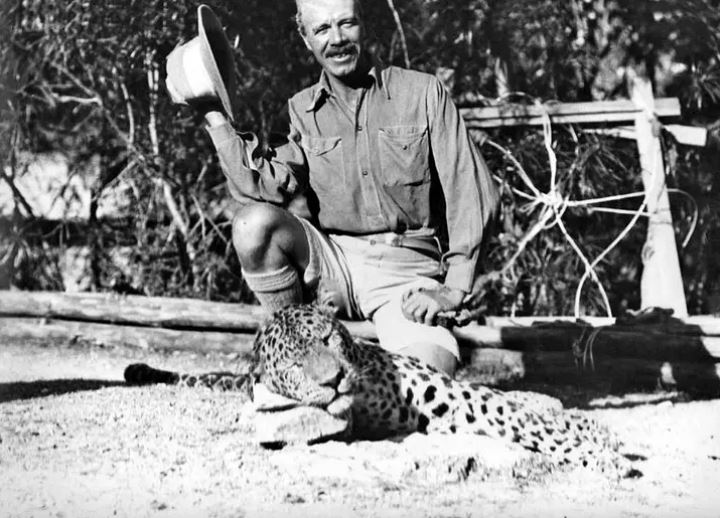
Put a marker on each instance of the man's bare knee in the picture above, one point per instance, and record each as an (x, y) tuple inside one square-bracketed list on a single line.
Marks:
[(252, 227), (266, 237)]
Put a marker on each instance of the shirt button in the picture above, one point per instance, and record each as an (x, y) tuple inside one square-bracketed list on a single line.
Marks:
[(358, 127), (364, 173)]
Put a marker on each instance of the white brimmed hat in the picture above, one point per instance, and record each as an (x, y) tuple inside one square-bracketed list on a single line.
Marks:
[(204, 67)]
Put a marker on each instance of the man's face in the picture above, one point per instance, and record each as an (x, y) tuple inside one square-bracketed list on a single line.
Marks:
[(334, 33)]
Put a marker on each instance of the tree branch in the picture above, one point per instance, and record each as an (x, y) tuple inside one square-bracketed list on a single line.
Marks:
[(17, 195), (398, 24)]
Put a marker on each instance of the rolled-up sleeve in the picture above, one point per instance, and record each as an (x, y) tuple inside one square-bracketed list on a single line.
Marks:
[(274, 175), (470, 194)]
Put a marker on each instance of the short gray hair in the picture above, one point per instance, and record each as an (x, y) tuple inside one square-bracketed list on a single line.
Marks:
[(299, 20)]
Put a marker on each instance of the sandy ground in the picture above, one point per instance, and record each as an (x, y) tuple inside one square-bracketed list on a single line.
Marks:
[(75, 442)]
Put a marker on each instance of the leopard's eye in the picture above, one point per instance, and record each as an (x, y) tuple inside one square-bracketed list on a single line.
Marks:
[(334, 340), (326, 333)]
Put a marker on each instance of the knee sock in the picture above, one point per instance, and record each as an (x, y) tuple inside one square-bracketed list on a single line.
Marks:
[(276, 289)]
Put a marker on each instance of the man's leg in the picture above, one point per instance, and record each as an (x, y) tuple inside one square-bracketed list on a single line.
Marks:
[(274, 253), (435, 346), (380, 275)]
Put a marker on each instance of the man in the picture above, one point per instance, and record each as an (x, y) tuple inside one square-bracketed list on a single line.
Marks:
[(376, 168)]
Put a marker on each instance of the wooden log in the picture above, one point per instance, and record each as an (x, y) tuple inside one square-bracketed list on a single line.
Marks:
[(661, 283), (622, 342), (126, 336), (187, 313), (600, 112), (491, 366), (137, 310), (695, 324), (516, 368), (670, 341)]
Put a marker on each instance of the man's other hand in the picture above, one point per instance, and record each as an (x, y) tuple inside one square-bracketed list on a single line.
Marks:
[(423, 305)]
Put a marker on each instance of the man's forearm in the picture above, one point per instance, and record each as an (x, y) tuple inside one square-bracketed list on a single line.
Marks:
[(250, 174), (470, 194)]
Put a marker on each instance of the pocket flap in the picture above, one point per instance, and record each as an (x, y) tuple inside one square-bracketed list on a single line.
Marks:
[(318, 145), (405, 134)]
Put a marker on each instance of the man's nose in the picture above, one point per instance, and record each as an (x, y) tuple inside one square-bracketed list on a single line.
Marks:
[(337, 35)]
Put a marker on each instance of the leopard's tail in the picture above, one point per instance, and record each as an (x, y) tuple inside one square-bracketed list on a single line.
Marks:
[(143, 374)]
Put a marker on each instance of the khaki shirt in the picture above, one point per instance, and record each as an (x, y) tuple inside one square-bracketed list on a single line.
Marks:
[(401, 160)]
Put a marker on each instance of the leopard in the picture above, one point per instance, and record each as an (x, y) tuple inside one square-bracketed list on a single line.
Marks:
[(306, 354)]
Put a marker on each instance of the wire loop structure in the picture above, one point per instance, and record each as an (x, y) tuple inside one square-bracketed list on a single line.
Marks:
[(553, 205)]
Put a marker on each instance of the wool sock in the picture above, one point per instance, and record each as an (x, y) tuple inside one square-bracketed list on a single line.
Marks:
[(276, 289)]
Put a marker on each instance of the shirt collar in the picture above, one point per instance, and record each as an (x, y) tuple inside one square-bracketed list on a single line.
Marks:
[(322, 89)]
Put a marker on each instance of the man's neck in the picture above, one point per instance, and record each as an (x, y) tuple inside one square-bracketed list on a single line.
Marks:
[(348, 88)]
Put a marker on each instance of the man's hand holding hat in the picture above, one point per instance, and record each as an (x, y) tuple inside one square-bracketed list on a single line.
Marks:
[(201, 72)]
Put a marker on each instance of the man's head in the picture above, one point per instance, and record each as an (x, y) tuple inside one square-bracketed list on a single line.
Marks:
[(333, 30)]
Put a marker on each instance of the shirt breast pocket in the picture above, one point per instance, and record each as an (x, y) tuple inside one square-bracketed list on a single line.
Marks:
[(404, 155), (325, 160)]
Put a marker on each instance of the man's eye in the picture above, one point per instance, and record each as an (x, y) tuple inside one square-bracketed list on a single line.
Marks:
[(321, 29)]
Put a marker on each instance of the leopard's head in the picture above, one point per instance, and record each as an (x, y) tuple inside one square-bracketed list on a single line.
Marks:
[(303, 352)]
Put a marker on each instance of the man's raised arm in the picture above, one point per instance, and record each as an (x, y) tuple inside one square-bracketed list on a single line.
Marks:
[(274, 175)]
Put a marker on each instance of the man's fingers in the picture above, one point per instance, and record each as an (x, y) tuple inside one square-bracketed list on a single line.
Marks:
[(413, 310), (419, 314), (408, 306), (409, 293), (420, 307), (431, 315)]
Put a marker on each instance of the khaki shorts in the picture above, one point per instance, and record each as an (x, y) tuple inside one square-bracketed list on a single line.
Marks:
[(367, 280)]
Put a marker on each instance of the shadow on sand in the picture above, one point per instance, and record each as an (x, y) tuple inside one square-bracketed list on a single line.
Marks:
[(42, 388)]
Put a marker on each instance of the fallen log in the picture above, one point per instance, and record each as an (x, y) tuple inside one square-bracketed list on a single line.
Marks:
[(503, 367), (672, 340), (180, 313), (644, 342), (706, 325), (110, 335), (201, 314), (619, 374)]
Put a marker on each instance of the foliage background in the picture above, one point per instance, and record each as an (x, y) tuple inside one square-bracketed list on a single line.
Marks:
[(86, 79)]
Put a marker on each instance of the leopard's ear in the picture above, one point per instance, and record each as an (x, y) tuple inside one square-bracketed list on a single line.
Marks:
[(266, 318), (327, 300), (329, 310)]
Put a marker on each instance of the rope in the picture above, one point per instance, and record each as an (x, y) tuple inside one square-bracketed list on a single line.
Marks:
[(554, 204), (583, 347)]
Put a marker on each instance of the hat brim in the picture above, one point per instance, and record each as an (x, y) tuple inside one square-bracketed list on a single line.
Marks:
[(217, 56)]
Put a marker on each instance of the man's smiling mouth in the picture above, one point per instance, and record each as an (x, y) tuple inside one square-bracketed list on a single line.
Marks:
[(341, 54)]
